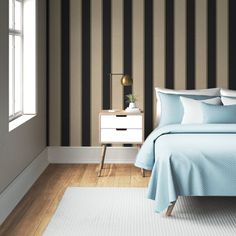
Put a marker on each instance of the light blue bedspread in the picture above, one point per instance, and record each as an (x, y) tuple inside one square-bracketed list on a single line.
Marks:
[(189, 160)]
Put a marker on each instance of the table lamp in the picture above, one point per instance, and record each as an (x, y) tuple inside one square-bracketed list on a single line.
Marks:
[(125, 80)]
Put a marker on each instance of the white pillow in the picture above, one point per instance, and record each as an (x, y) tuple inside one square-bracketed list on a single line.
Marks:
[(193, 110), (228, 93), (228, 101), (228, 96), (207, 92)]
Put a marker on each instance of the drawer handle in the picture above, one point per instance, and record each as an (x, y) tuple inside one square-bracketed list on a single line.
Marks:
[(121, 115), (119, 129)]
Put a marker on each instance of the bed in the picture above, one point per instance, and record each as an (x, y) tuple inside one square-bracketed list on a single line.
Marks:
[(190, 160)]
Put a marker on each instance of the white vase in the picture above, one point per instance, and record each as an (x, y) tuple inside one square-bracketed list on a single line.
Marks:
[(132, 105)]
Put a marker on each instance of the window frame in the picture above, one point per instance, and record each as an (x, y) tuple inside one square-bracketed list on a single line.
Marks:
[(14, 33)]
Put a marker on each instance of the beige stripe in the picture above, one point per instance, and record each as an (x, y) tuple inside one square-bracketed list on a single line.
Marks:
[(222, 43), (55, 75), (180, 45), (138, 51), (75, 73), (159, 49), (201, 44), (117, 52), (96, 68)]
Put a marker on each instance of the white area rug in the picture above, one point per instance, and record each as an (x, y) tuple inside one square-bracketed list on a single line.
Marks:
[(127, 212)]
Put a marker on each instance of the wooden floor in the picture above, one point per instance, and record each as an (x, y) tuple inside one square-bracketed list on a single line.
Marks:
[(34, 212)]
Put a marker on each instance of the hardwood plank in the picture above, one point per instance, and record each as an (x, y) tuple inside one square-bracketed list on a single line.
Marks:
[(122, 175), (108, 176), (89, 179), (75, 177), (41, 203), (137, 180)]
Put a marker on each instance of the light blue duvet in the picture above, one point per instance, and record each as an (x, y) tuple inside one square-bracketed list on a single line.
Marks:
[(189, 160)]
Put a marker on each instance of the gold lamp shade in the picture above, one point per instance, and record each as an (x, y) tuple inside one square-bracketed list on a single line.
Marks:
[(126, 80)]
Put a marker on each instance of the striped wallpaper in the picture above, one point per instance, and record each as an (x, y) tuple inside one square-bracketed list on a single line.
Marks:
[(181, 44)]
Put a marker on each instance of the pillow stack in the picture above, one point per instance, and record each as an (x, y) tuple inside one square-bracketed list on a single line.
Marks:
[(169, 106), (195, 106)]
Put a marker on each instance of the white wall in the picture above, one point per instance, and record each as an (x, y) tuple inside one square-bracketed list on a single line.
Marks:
[(22, 145)]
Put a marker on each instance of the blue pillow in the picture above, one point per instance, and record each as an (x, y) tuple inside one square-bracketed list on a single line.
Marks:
[(218, 114), (172, 109)]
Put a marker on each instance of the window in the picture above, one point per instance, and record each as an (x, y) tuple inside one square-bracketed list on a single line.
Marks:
[(22, 58), (15, 58)]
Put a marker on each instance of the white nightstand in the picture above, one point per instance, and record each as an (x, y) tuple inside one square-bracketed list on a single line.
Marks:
[(119, 128)]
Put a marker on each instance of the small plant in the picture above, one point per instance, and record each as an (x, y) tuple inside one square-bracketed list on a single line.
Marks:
[(131, 98)]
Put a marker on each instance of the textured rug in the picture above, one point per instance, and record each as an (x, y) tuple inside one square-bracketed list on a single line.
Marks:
[(127, 212)]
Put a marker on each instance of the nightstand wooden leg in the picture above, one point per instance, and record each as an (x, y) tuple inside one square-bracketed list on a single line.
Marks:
[(104, 147)]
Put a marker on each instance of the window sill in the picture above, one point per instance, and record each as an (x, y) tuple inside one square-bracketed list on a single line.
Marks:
[(19, 121)]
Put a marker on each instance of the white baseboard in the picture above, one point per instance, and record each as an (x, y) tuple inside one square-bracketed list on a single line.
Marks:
[(11, 196), (78, 155)]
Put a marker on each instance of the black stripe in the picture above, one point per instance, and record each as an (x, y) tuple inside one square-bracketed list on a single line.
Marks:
[(190, 60), (65, 72), (127, 39), (47, 71), (232, 47), (127, 48), (211, 45), (106, 65), (148, 66), (86, 102), (169, 44)]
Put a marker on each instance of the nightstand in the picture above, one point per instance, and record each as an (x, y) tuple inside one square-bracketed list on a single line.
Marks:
[(119, 127)]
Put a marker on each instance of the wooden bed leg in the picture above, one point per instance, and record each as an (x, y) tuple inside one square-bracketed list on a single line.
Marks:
[(170, 209), (142, 172)]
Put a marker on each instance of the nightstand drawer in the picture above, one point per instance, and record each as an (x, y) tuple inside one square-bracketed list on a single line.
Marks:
[(121, 135), (121, 121)]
